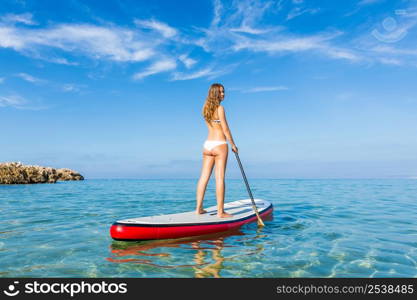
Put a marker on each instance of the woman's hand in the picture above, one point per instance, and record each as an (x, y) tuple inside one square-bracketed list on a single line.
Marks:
[(234, 148)]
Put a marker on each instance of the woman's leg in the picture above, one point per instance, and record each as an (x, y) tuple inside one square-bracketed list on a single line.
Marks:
[(208, 163), (220, 158)]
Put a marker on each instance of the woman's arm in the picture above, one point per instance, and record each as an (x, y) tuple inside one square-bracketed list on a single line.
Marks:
[(225, 127)]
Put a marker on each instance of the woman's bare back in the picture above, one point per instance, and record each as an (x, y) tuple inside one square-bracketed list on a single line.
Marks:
[(215, 129)]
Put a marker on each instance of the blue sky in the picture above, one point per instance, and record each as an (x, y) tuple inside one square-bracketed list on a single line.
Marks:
[(114, 89)]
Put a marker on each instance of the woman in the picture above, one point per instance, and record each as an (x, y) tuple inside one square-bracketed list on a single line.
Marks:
[(215, 149)]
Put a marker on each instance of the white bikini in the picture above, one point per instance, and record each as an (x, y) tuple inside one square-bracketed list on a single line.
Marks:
[(210, 144)]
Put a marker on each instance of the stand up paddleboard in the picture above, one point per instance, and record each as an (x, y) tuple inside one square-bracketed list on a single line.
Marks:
[(189, 223)]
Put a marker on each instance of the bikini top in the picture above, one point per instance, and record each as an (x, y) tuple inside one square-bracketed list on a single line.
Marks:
[(216, 121)]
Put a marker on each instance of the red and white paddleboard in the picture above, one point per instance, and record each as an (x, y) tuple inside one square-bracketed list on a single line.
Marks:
[(189, 223)]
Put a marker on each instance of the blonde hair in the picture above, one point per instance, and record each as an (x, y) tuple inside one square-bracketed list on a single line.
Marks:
[(212, 101)]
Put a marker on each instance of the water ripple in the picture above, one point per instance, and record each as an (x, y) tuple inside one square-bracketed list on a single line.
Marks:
[(320, 228)]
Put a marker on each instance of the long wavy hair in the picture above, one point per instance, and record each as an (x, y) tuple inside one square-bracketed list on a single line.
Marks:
[(212, 101)]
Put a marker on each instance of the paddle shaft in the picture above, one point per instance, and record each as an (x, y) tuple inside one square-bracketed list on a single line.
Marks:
[(260, 222)]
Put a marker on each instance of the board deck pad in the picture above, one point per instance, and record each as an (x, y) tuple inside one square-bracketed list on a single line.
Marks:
[(239, 209), (188, 224)]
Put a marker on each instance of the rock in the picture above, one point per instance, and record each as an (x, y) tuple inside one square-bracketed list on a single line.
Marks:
[(17, 173), (67, 174)]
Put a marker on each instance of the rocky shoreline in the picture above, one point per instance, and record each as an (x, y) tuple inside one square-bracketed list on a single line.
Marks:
[(17, 173)]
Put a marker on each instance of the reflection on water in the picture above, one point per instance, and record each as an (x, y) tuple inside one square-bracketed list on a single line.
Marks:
[(204, 252), (203, 269)]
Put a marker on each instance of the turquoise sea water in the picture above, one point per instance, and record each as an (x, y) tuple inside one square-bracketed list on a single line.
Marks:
[(321, 228)]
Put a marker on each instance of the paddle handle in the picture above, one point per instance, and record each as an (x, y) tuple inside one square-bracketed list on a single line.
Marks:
[(260, 222)]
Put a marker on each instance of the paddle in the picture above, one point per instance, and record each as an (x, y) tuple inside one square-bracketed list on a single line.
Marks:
[(260, 222)]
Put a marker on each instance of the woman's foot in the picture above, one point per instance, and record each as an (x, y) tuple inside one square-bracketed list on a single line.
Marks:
[(224, 215), (200, 211)]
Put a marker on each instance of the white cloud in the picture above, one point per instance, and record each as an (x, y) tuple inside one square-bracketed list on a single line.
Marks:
[(72, 87), (235, 26), (188, 62), (218, 8), (19, 102), (25, 18), (227, 34), (283, 44), (111, 43), (296, 12), (201, 73), (209, 72), (61, 61), (247, 29), (367, 2), (360, 5), (339, 53), (69, 87), (15, 101), (265, 89), (29, 78), (226, 29), (9, 38), (157, 67), (393, 50), (99, 42), (393, 56), (166, 30), (390, 61)]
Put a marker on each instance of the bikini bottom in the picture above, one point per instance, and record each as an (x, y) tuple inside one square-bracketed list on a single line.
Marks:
[(210, 144)]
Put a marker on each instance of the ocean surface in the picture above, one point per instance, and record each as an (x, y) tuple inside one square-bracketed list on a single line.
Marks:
[(320, 228)]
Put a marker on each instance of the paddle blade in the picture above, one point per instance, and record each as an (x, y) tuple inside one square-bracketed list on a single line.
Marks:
[(260, 222)]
